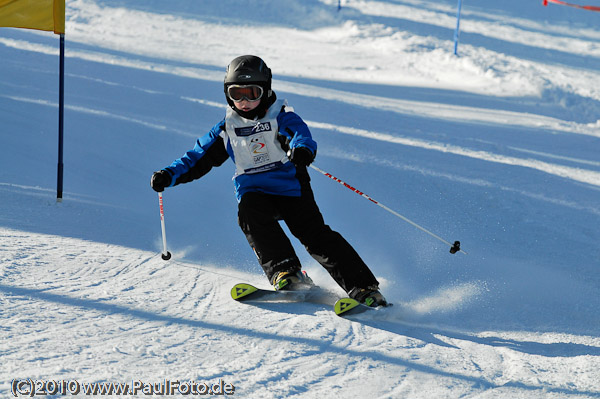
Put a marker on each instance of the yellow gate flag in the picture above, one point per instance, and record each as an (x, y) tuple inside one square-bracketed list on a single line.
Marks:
[(33, 14)]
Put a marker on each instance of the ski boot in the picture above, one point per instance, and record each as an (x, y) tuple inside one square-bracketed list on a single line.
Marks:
[(368, 296), (291, 280)]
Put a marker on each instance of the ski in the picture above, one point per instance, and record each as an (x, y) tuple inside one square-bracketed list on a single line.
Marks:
[(348, 306), (246, 292)]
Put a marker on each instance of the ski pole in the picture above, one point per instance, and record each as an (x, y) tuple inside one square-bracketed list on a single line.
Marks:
[(454, 248), (166, 255)]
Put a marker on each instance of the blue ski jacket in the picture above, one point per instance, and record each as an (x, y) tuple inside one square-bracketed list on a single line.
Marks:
[(259, 149)]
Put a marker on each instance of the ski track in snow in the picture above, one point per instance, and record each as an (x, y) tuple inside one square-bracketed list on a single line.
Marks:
[(91, 312)]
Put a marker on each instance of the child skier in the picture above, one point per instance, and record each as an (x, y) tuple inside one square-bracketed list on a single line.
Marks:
[(271, 147)]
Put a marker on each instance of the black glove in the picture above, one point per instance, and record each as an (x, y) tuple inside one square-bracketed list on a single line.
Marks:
[(160, 180), (301, 156)]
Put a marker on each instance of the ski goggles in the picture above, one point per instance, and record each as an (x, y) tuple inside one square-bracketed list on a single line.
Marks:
[(238, 93)]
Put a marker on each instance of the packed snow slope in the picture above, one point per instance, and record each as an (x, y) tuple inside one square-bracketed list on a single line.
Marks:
[(497, 147)]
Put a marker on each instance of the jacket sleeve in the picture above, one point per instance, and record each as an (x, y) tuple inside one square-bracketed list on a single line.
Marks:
[(209, 151), (293, 132)]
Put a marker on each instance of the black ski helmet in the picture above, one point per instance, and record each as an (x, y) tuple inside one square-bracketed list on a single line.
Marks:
[(246, 70)]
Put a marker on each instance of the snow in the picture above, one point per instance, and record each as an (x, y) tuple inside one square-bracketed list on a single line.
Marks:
[(496, 147)]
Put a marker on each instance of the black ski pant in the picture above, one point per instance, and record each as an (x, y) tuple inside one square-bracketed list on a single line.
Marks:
[(258, 217)]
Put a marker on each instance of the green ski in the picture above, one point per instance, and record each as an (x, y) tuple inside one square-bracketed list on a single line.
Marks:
[(247, 292), (348, 306)]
